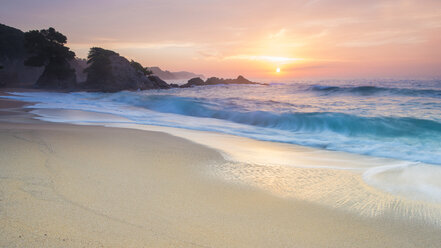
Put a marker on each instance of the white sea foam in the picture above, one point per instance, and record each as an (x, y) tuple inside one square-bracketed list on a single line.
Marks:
[(414, 180)]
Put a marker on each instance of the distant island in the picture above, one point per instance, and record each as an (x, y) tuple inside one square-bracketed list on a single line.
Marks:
[(40, 59)]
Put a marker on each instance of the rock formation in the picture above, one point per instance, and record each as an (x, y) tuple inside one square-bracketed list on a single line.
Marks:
[(158, 83), (214, 80), (15, 74), (110, 72), (46, 47), (12, 56)]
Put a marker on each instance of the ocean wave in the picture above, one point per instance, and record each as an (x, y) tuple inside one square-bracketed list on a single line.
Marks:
[(373, 90), (341, 123), (408, 138)]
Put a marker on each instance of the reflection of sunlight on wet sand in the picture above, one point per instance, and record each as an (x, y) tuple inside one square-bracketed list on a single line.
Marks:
[(240, 149), (328, 178)]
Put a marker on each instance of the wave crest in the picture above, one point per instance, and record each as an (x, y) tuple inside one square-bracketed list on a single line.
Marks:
[(373, 90)]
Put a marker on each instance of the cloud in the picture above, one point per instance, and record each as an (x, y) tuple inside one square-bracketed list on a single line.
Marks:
[(133, 45), (280, 33), (265, 58), (366, 43), (386, 37)]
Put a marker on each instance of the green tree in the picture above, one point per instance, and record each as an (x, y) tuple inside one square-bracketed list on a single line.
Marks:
[(46, 48), (140, 68), (99, 71)]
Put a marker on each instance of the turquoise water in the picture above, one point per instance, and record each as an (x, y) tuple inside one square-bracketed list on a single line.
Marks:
[(384, 118)]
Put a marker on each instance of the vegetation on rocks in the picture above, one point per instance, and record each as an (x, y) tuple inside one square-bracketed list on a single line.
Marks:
[(46, 48)]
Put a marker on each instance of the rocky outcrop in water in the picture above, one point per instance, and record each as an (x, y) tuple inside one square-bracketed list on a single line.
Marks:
[(193, 82), (214, 80)]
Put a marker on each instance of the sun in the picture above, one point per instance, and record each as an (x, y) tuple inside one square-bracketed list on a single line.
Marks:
[(278, 70)]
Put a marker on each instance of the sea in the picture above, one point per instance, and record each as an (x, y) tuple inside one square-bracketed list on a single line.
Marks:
[(399, 119)]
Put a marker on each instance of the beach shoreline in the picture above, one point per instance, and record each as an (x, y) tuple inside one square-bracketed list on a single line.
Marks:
[(93, 186)]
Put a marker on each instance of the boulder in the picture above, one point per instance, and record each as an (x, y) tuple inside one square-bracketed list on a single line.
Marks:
[(193, 82)]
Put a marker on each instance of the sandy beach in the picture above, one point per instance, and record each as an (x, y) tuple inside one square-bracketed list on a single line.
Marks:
[(64, 185)]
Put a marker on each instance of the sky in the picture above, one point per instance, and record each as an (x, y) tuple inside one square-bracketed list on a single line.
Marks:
[(225, 38)]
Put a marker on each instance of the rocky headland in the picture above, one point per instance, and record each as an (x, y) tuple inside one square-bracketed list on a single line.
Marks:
[(39, 59)]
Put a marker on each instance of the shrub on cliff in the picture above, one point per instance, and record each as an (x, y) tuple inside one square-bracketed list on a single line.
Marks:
[(138, 67), (99, 71), (46, 48)]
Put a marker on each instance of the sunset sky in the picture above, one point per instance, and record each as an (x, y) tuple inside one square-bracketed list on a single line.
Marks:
[(305, 39)]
